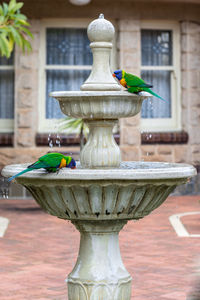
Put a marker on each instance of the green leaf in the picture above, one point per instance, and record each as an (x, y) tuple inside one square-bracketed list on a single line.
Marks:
[(16, 36), (4, 46), (5, 9), (17, 6), (11, 4), (26, 31), (13, 28), (72, 125), (26, 45), (22, 22), (1, 10), (20, 17), (2, 18)]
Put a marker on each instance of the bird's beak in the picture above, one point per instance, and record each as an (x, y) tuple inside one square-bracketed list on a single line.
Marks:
[(113, 75)]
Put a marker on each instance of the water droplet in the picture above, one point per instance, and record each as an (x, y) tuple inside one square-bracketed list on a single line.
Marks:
[(51, 144), (58, 141), (4, 187)]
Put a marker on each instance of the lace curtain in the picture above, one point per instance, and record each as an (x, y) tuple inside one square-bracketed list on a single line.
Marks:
[(65, 47), (157, 51), (6, 88)]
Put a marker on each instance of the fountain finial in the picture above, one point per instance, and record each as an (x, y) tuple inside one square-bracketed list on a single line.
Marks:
[(101, 33)]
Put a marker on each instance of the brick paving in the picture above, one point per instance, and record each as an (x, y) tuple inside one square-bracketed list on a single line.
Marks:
[(38, 251)]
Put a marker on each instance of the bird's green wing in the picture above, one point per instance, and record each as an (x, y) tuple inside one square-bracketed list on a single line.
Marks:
[(135, 81), (51, 160)]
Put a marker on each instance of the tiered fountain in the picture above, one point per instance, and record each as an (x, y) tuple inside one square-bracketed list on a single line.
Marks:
[(103, 193)]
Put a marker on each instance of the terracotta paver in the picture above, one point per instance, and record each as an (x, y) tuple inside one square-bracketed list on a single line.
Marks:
[(38, 251)]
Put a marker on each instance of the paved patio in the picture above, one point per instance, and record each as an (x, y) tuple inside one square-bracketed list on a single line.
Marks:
[(38, 251)]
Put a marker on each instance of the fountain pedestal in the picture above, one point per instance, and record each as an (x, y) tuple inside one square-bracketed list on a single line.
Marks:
[(101, 149), (99, 272), (103, 193)]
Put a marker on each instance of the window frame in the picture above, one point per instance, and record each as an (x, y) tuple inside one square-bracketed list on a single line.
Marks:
[(7, 125), (51, 125), (173, 123)]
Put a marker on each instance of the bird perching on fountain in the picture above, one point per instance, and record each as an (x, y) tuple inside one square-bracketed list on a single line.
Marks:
[(133, 83), (51, 162)]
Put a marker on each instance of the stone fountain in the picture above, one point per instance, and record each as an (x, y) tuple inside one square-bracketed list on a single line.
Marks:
[(103, 193)]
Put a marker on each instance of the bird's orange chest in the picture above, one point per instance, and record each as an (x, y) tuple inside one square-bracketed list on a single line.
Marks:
[(123, 82), (62, 163)]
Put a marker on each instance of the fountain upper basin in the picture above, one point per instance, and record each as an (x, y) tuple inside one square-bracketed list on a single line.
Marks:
[(129, 192), (100, 104)]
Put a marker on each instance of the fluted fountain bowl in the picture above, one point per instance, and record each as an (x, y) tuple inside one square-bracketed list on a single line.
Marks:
[(130, 192), (100, 104)]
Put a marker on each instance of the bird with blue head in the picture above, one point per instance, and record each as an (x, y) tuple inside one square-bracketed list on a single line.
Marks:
[(51, 162), (133, 83)]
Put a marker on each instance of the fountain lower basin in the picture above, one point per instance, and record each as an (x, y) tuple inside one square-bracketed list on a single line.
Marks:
[(129, 192), (99, 202)]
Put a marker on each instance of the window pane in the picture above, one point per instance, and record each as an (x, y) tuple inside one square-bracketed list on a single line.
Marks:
[(157, 108), (68, 46), (6, 94), (156, 47), (62, 80), (7, 62)]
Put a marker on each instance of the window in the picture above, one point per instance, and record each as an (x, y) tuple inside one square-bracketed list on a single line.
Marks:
[(160, 67), (6, 94), (66, 61)]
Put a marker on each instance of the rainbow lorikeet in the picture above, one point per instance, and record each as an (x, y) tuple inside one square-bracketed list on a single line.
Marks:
[(51, 162), (133, 83)]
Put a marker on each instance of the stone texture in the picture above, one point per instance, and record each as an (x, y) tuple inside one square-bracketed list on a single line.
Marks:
[(130, 153), (190, 28), (165, 149), (194, 135), (25, 137), (132, 122), (181, 154), (25, 119), (27, 78), (130, 40), (26, 93), (190, 91), (26, 97), (195, 150), (131, 136), (129, 25), (129, 31), (29, 61), (148, 150)]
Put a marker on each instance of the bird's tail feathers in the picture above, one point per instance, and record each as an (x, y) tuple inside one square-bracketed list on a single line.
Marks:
[(154, 94), (18, 174)]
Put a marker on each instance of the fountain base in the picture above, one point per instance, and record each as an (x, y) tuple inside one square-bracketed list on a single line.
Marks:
[(99, 272)]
